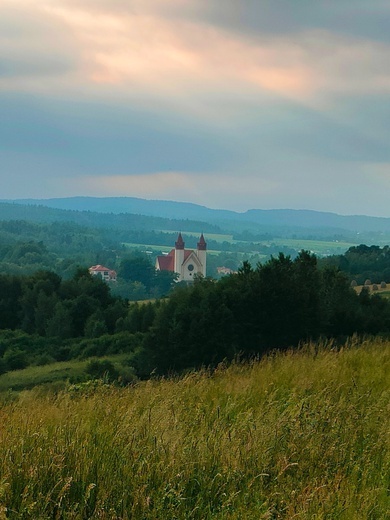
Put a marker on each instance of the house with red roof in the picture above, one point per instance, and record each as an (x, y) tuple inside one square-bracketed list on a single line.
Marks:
[(106, 274), (185, 262)]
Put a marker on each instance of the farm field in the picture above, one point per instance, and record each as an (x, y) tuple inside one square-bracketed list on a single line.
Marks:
[(318, 247), (158, 249), (297, 435)]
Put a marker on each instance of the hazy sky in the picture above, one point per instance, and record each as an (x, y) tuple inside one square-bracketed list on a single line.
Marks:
[(232, 104)]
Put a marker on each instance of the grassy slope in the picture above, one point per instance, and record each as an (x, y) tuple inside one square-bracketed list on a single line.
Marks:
[(59, 373), (301, 435)]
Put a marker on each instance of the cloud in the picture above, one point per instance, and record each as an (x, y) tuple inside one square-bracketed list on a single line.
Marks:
[(255, 103), (31, 47), (140, 49)]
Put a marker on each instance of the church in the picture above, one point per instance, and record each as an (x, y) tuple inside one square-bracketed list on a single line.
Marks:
[(185, 262)]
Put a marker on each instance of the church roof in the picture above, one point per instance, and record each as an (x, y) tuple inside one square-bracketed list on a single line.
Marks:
[(167, 262)]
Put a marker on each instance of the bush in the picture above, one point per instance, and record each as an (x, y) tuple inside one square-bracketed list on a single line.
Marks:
[(102, 369)]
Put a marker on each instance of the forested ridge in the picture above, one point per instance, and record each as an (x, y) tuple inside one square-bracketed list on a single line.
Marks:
[(62, 247), (53, 310)]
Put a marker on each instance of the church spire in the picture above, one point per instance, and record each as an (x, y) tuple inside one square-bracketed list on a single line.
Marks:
[(179, 244), (202, 246)]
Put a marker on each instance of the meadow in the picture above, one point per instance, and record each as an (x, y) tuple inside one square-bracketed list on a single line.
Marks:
[(319, 247), (295, 435), (58, 374)]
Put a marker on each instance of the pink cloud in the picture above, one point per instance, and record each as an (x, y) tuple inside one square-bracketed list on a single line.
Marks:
[(139, 48)]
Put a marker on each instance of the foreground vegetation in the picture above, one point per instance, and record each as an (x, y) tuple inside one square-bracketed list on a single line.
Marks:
[(302, 434), (45, 319)]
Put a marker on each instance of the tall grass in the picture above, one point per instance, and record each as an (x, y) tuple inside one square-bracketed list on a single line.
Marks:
[(298, 435)]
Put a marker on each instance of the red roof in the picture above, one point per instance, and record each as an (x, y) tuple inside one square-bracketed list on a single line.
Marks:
[(99, 268), (167, 262)]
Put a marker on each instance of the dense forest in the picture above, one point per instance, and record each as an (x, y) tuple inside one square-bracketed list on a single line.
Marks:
[(279, 304), (362, 263)]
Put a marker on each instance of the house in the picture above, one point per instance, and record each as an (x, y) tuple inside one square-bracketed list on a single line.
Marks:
[(225, 270), (185, 262), (108, 275)]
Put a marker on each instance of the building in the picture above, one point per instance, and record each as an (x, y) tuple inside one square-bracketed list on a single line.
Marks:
[(185, 262), (106, 274), (225, 270)]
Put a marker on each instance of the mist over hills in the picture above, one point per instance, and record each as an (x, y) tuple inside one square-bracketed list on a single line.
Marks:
[(251, 219)]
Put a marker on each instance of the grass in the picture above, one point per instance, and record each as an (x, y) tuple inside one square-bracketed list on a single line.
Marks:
[(53, 374), (297, 435)]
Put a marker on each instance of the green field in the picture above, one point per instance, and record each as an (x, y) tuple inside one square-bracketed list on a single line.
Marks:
[(319, 247), (156, 249), (296, 435), (56, 374)]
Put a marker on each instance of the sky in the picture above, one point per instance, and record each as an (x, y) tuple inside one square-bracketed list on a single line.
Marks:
[(232, 104)]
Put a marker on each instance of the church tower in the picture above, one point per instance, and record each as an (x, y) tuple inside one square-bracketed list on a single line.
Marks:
[(201, 253), (187, 263), (179, 254)]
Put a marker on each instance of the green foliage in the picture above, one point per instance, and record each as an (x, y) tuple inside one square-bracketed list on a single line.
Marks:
[(301, 434), (44, 304), (102, 369), (274, 306), (363, 263), (58, 375)]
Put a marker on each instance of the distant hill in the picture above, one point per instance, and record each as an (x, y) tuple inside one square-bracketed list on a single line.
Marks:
[(281, 218), (41, 213)]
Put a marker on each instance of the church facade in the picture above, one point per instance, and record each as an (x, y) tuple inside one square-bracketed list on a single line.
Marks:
[(185, 262)]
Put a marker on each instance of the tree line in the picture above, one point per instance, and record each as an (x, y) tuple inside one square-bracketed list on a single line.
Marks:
[(271, 306), (363, 262), (275, 305)]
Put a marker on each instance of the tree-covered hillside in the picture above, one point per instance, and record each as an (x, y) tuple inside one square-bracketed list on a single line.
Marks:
[(363, 263), (272, 306)]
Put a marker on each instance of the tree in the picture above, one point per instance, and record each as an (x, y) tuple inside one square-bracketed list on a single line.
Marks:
[(10, 308), (137, 268), (61, 324)]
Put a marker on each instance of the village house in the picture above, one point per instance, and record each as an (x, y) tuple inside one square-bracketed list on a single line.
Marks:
[(106, 274), (225, 270), (185, 262)]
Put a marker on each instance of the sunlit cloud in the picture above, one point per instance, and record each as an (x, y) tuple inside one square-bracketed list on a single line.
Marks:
[(142, 50), (194, 100)]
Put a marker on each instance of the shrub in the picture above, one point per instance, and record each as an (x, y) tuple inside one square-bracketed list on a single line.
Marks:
[(102, 369)]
